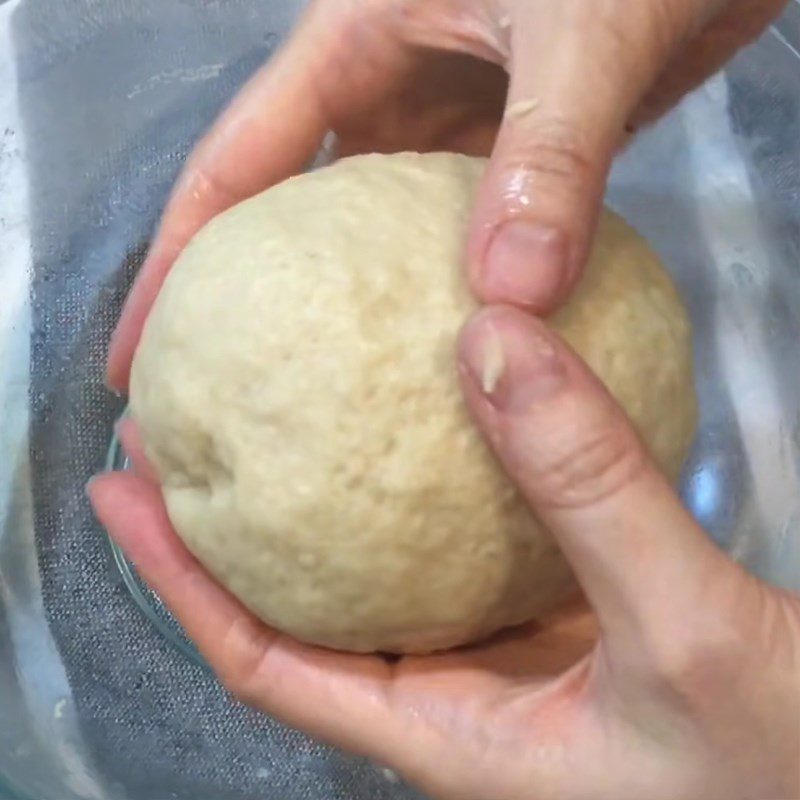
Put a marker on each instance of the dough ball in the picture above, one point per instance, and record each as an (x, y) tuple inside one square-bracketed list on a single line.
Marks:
[(297, 391)]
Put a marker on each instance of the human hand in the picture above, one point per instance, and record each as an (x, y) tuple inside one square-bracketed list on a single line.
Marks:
[(683, 685), (389, 75)]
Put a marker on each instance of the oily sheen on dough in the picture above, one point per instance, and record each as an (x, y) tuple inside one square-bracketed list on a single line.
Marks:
[(297, 392)]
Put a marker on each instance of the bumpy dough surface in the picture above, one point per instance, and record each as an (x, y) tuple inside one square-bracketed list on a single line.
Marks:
[(297, 392)]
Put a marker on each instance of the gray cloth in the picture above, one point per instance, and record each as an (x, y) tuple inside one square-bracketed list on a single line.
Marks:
[(112, 95)]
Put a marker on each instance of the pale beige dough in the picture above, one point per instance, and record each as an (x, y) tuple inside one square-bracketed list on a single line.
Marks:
[(297, 390)]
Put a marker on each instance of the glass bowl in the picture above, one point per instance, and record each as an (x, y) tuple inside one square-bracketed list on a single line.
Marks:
[(99, 103)]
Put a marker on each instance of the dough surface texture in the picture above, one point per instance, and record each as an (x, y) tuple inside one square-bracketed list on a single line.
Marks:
[(297, 392)]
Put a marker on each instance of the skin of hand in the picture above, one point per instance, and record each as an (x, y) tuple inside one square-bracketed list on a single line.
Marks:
[(684, 684), (549, 88)]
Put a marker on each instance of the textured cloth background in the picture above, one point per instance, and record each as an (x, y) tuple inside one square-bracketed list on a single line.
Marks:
[(112, 95)]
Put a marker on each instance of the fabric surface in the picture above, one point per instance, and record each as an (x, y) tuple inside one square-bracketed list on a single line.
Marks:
[(112, 95)]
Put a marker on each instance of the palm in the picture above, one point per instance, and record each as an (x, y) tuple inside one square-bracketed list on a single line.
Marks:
[(525, 689), (531, 654), (526, 659), (501, 681)]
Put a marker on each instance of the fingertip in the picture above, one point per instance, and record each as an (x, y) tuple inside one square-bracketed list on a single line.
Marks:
[(510, 357), (141, 297), (525, 263), (117, 500), (125, 338), (537, 204), (116, 376), (121, 349), (96, 488), (524, 248), (125, 427), (108, 491), (130, 438)]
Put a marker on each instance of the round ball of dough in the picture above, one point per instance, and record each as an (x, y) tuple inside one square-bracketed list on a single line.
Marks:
[(297, 392)]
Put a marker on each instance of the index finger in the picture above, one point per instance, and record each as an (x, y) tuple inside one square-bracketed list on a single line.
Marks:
[(270, 131)]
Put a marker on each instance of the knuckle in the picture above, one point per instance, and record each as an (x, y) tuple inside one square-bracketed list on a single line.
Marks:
[(692, 656), (778, 627), (582, 472), (633, 36), (691, 669), (603, 22), (636, 37), (552, 149), (245, 648), (665, 27)]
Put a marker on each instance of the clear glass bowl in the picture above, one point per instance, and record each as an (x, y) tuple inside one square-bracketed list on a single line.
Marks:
[(99, 103)]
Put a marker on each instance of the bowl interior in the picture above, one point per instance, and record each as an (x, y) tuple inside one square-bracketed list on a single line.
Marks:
[(103, 102)]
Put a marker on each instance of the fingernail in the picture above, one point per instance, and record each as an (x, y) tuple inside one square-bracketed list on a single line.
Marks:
[(525, 264), (512, 361)]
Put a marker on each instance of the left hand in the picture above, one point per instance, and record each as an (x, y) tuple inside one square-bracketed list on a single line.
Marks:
[(682, 685), (547, 87)]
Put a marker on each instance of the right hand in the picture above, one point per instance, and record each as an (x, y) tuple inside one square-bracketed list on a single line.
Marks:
[(389, 75), (687, 686)]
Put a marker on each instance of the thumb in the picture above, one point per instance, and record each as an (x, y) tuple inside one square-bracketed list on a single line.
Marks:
[(577, 71), (641, 559)]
